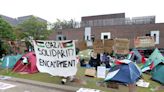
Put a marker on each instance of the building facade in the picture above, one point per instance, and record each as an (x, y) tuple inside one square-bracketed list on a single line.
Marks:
[(114, 26)]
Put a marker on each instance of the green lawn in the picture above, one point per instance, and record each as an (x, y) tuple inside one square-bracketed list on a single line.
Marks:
[(88, 82)]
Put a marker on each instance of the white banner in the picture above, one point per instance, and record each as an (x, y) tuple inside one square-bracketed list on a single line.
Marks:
[(57, 58)]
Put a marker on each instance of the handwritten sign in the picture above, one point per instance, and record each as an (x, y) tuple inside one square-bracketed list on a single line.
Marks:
[(121, 46), (57, 58), (101, 71), (144, 41)]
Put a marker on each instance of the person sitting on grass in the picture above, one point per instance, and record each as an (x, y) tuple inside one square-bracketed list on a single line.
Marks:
[(94, 60)]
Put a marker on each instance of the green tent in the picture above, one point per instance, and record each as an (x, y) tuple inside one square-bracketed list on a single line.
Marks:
[(135, 56), (154, 59), (18, 56), (10, 61), (158, 73)]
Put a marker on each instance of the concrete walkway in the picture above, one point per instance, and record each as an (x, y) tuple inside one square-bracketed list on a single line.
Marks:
[(37, 84)]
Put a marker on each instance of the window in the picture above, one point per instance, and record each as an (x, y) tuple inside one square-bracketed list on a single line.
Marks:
[(87, 38), (105, 36), (64, 37), (147, 35), (156, 36), (92, 38), (59, 38)]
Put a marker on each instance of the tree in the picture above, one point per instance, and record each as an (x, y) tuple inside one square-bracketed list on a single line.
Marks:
[(6, 31), (65, 24), (34, 28), (6, 34)]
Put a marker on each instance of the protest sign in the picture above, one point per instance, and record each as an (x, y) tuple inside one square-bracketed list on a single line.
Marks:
[(82, 45), (98, 46), (108, 45), (144, 41), (57, 58), (101, 72), (121, 46)]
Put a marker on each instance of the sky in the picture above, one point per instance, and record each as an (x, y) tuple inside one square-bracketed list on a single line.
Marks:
[(75, 9)]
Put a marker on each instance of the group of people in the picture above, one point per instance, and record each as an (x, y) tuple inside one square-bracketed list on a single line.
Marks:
[(98, 59)]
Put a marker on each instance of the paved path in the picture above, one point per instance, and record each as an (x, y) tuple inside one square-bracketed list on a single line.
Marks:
[(23, 85)]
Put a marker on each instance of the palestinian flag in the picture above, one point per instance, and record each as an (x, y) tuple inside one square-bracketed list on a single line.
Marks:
[(151, 66), (143, 60), (67, 44), (40, 43)]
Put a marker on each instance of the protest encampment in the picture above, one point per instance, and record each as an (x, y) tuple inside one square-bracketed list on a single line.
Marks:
[(106, 53)]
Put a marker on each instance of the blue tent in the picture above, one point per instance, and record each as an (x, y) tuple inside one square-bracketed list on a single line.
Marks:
[(10, 61), (127, 73)]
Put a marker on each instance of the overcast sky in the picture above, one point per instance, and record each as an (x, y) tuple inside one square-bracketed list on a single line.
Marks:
[(75, 9)]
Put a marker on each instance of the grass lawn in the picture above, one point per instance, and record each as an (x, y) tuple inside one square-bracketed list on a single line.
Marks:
[(89, 82)]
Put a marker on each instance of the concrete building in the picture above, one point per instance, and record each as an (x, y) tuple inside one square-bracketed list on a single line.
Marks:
[(23, 18), (15, 21), (112, 26), (11, 21)]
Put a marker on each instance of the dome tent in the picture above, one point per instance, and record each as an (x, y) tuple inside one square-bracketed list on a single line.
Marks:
[(126, 72)]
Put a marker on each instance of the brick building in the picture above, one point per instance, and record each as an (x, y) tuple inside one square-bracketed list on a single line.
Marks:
[(113, 26)]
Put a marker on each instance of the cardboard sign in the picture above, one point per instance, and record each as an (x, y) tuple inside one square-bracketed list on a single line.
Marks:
[(90, 72), (144, 41), (98, 46), (101, 72), (108, 45), (99, 50), (121, 46), (57, 58), (82, 45), (108, 42)]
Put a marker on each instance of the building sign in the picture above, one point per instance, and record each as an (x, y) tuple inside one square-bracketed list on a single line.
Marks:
[(57, 58)]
